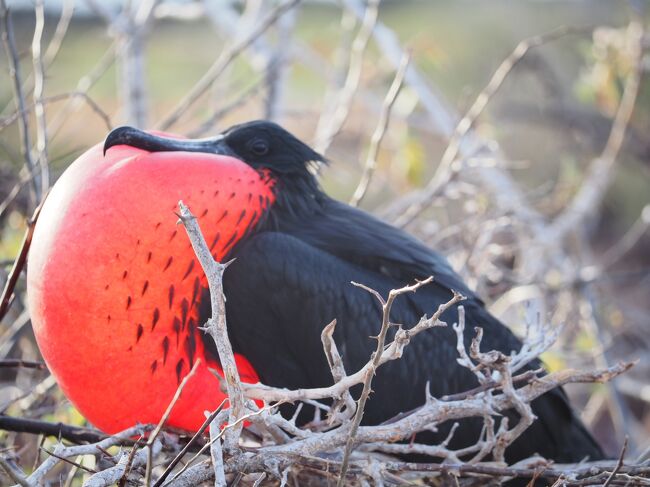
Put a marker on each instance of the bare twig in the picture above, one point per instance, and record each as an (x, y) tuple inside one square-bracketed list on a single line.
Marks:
[(335, 363), (58, 430), (67, 460), (219, 419), (8, 120), (112, 475), (216, 325), (187, 446), (445, 172), (27, 364), (39, 107), (14, 473), (371, 371), (163, 420), (490, 384), (598, 176), (278, 66), (91, 449), (19, 99), (391, 352), (618, 466), (223, 62), (129, 464), (67, 9), (216, 453), (380, 130), (333, 118), (628, 241), (14, 274), (82, 87), (215, 117)]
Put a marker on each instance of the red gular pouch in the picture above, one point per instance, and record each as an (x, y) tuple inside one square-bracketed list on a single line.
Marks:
[(114, 286)]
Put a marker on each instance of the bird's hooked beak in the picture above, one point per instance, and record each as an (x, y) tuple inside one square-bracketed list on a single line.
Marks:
[(154, 143)]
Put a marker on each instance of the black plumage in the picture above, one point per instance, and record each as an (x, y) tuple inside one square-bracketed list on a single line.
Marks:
[(293, 276)]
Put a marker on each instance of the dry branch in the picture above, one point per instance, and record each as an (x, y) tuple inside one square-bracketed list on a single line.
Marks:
[(154, 434), (491, 399), (92, 449), (446, 171), (19, 100), (332, 120), (392, 352), (380, 130), (373, 365), (216, 325), (9, 119), (7, 293), (224, 60), (39, 107), (599, 175)]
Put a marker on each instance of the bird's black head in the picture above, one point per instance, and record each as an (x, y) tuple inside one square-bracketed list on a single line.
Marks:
[(265, 144), (260, 144)]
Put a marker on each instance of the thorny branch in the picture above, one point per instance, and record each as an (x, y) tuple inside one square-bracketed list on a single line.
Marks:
[(374, 364), (393, 351), (216, 325)]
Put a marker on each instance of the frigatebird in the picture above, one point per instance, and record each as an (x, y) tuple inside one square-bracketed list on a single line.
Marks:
[(137, 302)]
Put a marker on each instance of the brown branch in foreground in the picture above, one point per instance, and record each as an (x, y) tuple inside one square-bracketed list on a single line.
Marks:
[(618, 466), (216, 325), (75, 434), (19, 363), (19, 264)]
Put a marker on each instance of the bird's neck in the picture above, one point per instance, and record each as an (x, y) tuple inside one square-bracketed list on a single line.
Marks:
[(298, 196)]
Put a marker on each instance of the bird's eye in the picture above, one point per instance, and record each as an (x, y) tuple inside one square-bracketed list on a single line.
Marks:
[(259, 147)]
